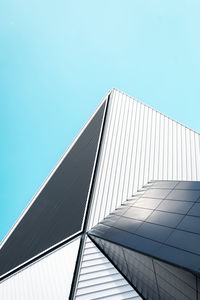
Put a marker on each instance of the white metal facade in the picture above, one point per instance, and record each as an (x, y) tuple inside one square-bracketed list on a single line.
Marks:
[(98, 278), (49, 278), (140, 144)]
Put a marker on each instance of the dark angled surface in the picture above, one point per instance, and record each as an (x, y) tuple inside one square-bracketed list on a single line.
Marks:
[(58, 211), (159, 227), (154, 279)]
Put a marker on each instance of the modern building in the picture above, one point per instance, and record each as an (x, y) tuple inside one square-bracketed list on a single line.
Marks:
[(118, 217)]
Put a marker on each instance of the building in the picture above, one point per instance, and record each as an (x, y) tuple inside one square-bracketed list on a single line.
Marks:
[(118, 217)]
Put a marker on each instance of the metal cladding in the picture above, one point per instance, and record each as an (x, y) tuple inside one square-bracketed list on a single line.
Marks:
[(48, 278), (99, 278), (154, 231), (151, 238), (154, 279), (140, 144), (58, 211)]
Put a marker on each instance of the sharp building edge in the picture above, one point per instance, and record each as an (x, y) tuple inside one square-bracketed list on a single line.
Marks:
[(100, 188), (99, 279), (48, 278), (140, 144)]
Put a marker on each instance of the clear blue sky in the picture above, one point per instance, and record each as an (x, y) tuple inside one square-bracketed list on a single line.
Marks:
[(59, 58)]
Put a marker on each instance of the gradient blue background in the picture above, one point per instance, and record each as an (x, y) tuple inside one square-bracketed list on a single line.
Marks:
[(59, 58)]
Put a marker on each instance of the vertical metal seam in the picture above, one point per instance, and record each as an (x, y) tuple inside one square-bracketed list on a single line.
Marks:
[(77, 268), (156, 279), (172, 129), (181, 136), (131, 161), (136, 147), (163, 147), (154, 147), (159, 127), (109, 151), (176, 150), (168, 149), (113, 142), (186, 154), (195, 151), (100, 174), (126, 147), (123, 147), (106, 153), (141, 144), (119, 136), (88, 209), (131, 113)]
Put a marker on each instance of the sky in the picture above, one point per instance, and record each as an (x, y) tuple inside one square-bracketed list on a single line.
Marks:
[(59, 58)]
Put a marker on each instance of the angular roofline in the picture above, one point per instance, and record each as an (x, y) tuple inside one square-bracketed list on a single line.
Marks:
[(115, 89), (51, 173)]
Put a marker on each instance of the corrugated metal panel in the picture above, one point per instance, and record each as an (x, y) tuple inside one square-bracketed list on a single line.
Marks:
[(139, 145), (49, 278), (98, 279), (58, 212), (52, 172), (49, 220)]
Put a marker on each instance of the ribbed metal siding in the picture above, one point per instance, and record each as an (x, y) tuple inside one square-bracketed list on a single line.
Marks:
[(53, 172), (58, 212), (49, 278), (99, 279), (140, 144)]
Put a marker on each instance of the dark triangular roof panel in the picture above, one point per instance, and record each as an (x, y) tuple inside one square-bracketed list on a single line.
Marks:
[(58, 211)]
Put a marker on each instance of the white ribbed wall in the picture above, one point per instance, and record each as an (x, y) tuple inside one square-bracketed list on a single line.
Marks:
[(49, 278), (98, 278), (140, 144)]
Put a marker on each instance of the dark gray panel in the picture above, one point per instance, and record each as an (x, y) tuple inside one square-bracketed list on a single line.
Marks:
[(173, 283), (129, 203), (121, 210), (111, 233), (190, 223), (157, 193), (164, 218), (164, 184), (184, 195), (110, 220), (137, 268), (185, 240), (117, 256), (160, 241), (142, 274), (195, 210), (138, 243), (184, 277), (189, 185), (198, 287), (179, 257), (154, 279), (181, 207), (147, 203), (58, 211), (160, 228), (125, 238), (154, 232), (127, 224), (137, 213)]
